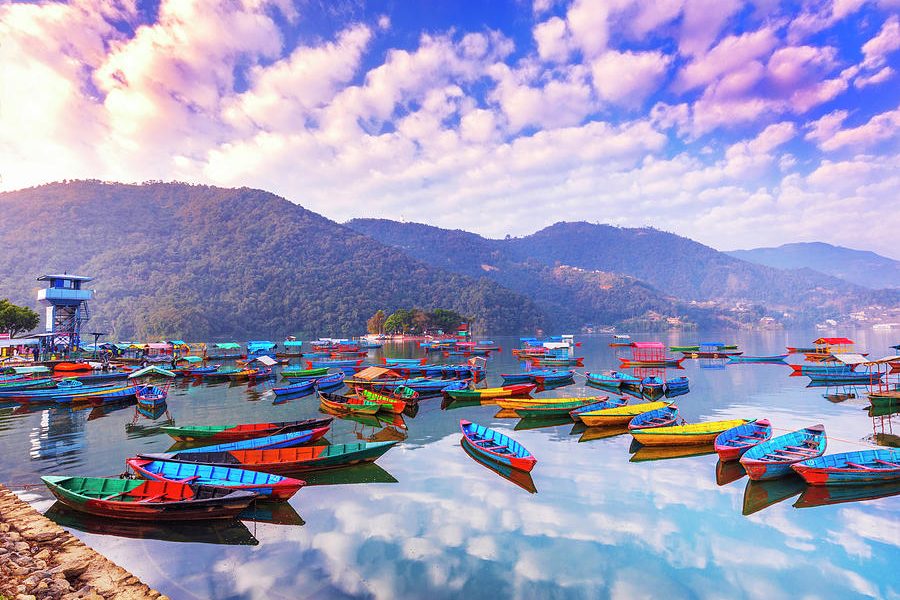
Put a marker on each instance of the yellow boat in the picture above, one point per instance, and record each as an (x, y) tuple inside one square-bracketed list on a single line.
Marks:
[(693, 434), (620, 415), (514, 403)]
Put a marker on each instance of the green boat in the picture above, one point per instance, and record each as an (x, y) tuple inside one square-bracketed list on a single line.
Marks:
[(552, 410), (291, 373), (28, 384)]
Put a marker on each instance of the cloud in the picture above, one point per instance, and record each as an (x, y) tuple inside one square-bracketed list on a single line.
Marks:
[(732, 53), (628, 77), (702, 21), (881, 127), (879, 47), (816, 18)]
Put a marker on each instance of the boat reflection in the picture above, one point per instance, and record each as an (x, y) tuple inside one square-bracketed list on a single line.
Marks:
[(506, 413), (728, 472), (367, 473), (276, 513), (826, 495), (540, 422), (226, 532), (601, 433), (763, 494), (645, 453), (518, 477)]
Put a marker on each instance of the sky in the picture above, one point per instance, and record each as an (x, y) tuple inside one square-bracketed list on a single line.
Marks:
[(736, 124)]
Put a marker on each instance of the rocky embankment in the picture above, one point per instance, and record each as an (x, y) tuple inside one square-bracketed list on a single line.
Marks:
[(39, 559)]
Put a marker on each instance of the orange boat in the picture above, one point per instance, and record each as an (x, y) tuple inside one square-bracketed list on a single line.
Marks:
[(71, 367)]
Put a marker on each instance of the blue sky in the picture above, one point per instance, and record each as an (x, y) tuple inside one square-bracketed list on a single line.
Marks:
[(736, 124)]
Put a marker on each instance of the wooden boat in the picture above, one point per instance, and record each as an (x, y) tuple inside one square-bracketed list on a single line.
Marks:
[(613, 402), (553, 377), (403, 362), (70, 367), (66, 391), (312, 364), (661, 417), (330, 382), (507, 391), (26, 384), (385, 402), (295, 389), (269, 442), (732, 443), (804, 369), (861, 467), (349, 404), (849, 378), (799, 350), (677, 384), (693, 434), (713, 354), (613, 379), (286, 460), (292, 372), (516, 476), (652, 386), (667, 362), (546, 361), (232, 433), (773, 458), (516, 403), (150, 396), (620, 415), (496, 446), (776, 358), (554, 409), (266, 485), (139, 499), (697, 348)]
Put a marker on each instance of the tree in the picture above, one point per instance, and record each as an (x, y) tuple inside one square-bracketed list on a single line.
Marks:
[(445, 320), (375, 324), (399, 322), (17, 319)]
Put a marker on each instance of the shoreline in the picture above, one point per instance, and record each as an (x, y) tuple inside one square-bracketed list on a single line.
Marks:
[(40, 559)]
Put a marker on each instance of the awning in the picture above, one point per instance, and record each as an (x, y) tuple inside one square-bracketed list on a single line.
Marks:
[(228, 346), (648, 345), (850, 358), (837, 341), (253, 347), (370, 373), (886, 359), (266, 360), (190, 359), (151, 370), (158, 346), (292, 343)]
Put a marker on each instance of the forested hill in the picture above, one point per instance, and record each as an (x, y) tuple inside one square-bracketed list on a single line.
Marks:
[(674, 266), (856, 266), (207, 263)]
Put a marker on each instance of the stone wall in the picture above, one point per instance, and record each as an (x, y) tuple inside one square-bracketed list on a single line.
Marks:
[(39, 559)]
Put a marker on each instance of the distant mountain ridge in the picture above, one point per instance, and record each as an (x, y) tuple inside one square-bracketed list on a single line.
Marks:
[(861, 267), (675, 267), (211, 263)]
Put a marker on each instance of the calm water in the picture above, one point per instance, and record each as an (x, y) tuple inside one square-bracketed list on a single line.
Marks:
[(428, 521)]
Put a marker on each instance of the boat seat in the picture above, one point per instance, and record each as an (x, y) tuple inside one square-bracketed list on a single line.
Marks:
[(888, 463), (189, 479), (858, 466)]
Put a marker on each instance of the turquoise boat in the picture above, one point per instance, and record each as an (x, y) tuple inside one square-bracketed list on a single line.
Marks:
[(773, 458), (271, 442), (862, 467), (496, 447)]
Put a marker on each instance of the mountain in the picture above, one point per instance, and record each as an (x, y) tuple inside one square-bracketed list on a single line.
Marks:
[(205, 263), (670, 268), (856, 266)]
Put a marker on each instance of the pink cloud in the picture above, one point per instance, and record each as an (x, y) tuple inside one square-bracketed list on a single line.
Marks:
[(877, 49), (879, 128), (732, 53), (702, 22)]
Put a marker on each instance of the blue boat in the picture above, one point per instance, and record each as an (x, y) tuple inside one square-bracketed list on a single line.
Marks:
[(614, 379), (329, 382), (462, 384), (305, 386), (861, 467), (773, 458), (652, 387), (403, 362), (677, 384), (775, 358), (338, 364), (65, 388), (661, 417), (274, 487), (851, 377), (496, 446), (613, 402), (271, 442), (732, 443)]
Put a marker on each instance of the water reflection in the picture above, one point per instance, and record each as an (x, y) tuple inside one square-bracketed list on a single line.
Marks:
[(825, 495), (275, 513), (763, 494), (542, 422), (728, 472), (368, 473), (226, 532), (602, 433), (645, 453)]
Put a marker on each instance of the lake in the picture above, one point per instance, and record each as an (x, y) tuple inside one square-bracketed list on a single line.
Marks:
[(429, 521)]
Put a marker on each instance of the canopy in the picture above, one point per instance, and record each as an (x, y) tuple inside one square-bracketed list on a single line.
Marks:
[(370, 373), (228, 346), (292, 343), (648, 345), (834, 341), (266, 360), (190, 359), (27, 370), (151, 370), (886, 359), (158, 346), (555, 345), (258, 346), (177, 342), (850, 358)]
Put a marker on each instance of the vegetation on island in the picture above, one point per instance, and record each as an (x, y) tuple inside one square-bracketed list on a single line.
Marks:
[(415, 321)]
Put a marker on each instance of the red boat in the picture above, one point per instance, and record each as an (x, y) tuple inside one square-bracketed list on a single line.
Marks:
[(236, 433), (70, 367)]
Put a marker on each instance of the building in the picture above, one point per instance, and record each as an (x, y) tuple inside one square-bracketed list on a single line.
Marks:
[(66, 310)]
